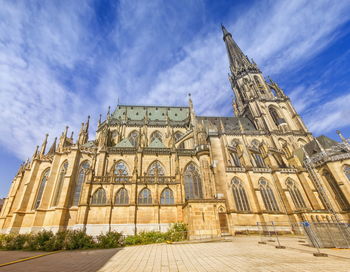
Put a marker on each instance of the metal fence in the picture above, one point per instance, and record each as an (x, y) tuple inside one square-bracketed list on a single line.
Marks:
[(318, 234)]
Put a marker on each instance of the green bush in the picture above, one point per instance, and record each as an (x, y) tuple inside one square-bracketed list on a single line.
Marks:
[(15, 241), (78, 239), (110, 239), (177, 232), (40, 240)]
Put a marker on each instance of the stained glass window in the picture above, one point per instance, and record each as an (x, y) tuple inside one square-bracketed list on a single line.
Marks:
[(59, 185), (99, 197), (122, 197), (145, 197), (239, 195), (155, 169), (193, 184), (268, 196), (295, 194), (79, 184), (167, 197), (339, 194), (134, 138), (121, 172), (347, 171), (41, 188)]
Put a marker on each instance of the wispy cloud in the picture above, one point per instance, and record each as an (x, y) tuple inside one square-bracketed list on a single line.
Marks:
[(60, 61)]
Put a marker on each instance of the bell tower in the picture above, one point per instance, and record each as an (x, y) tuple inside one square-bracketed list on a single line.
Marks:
[(264, 103)]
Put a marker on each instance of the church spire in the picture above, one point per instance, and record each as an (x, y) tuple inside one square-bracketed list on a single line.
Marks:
[(239, 63)]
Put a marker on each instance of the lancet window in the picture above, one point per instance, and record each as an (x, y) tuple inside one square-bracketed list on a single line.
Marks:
[(167, 197), (99, 197), (259, 161), (235, 161), (274, 115), (134, 138), (268, 196), (122, 197), (59, 184), (43, 181), (145, 197), (79, 183), (239, 196), (155, 170), (295, 194), (339, 195), (121, 172), (193, 183)]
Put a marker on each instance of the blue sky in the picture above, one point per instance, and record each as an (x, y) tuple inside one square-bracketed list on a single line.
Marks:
[(61, 61)]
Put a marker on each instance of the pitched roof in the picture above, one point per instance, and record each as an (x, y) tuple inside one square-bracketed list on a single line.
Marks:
[(124, 143), (157, 144)]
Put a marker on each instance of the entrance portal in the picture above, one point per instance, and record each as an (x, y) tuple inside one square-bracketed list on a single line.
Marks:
[(223, 223)]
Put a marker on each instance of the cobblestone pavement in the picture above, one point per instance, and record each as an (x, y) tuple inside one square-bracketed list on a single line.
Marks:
[(72, 261), (238, 254), (241, 254)]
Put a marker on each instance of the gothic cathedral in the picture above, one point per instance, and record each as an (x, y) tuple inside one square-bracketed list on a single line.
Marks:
[(151, 166)]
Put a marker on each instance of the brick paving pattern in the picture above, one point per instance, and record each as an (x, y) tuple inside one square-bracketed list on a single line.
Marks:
[(72, 261), (239, 254)]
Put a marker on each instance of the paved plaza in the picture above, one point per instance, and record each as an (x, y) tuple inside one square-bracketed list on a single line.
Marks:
[(239, 254)]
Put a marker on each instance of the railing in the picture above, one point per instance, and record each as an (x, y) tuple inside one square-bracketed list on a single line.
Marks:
[(113, 179), (157, 179), (235, 169)]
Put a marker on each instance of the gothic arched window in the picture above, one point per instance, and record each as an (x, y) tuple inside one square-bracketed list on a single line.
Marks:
[(167, 197), (156, 135), (235, 161), (134, 138), (122, 197), (239, 196), (121, 172), (155, 170), (145, 197), (268, 196), (274, 115), (295, 194), (339, 195), (347, 171), (43, 181), (99, 197), (59, 184), (79, 183), (193, 183), (259, 161), (178, 135)]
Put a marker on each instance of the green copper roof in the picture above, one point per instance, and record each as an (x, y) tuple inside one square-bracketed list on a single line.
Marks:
[(151, 113), (157, 144), (124, 143)]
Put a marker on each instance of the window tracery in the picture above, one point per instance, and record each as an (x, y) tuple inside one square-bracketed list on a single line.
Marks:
[(99, 197), (295, 194), (59, 185), (121, 172), (134, 138), (268, 196), (155, 170), (145, 197), (193, 183), (167, 197), (347, 171), (339, 195), (122, 197), (41, 188), (79, 183), (239, 196)]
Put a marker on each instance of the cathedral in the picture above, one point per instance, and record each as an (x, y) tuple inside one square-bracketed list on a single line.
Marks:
[(151, 166)]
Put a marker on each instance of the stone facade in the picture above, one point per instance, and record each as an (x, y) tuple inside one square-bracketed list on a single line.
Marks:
[(152, 166)]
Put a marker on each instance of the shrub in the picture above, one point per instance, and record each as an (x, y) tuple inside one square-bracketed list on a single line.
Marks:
[(40, 240), (78, 239), (15, 241), (177, 232), (110, 239)]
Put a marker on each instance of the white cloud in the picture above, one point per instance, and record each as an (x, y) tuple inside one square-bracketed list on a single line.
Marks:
[(153, 54)]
